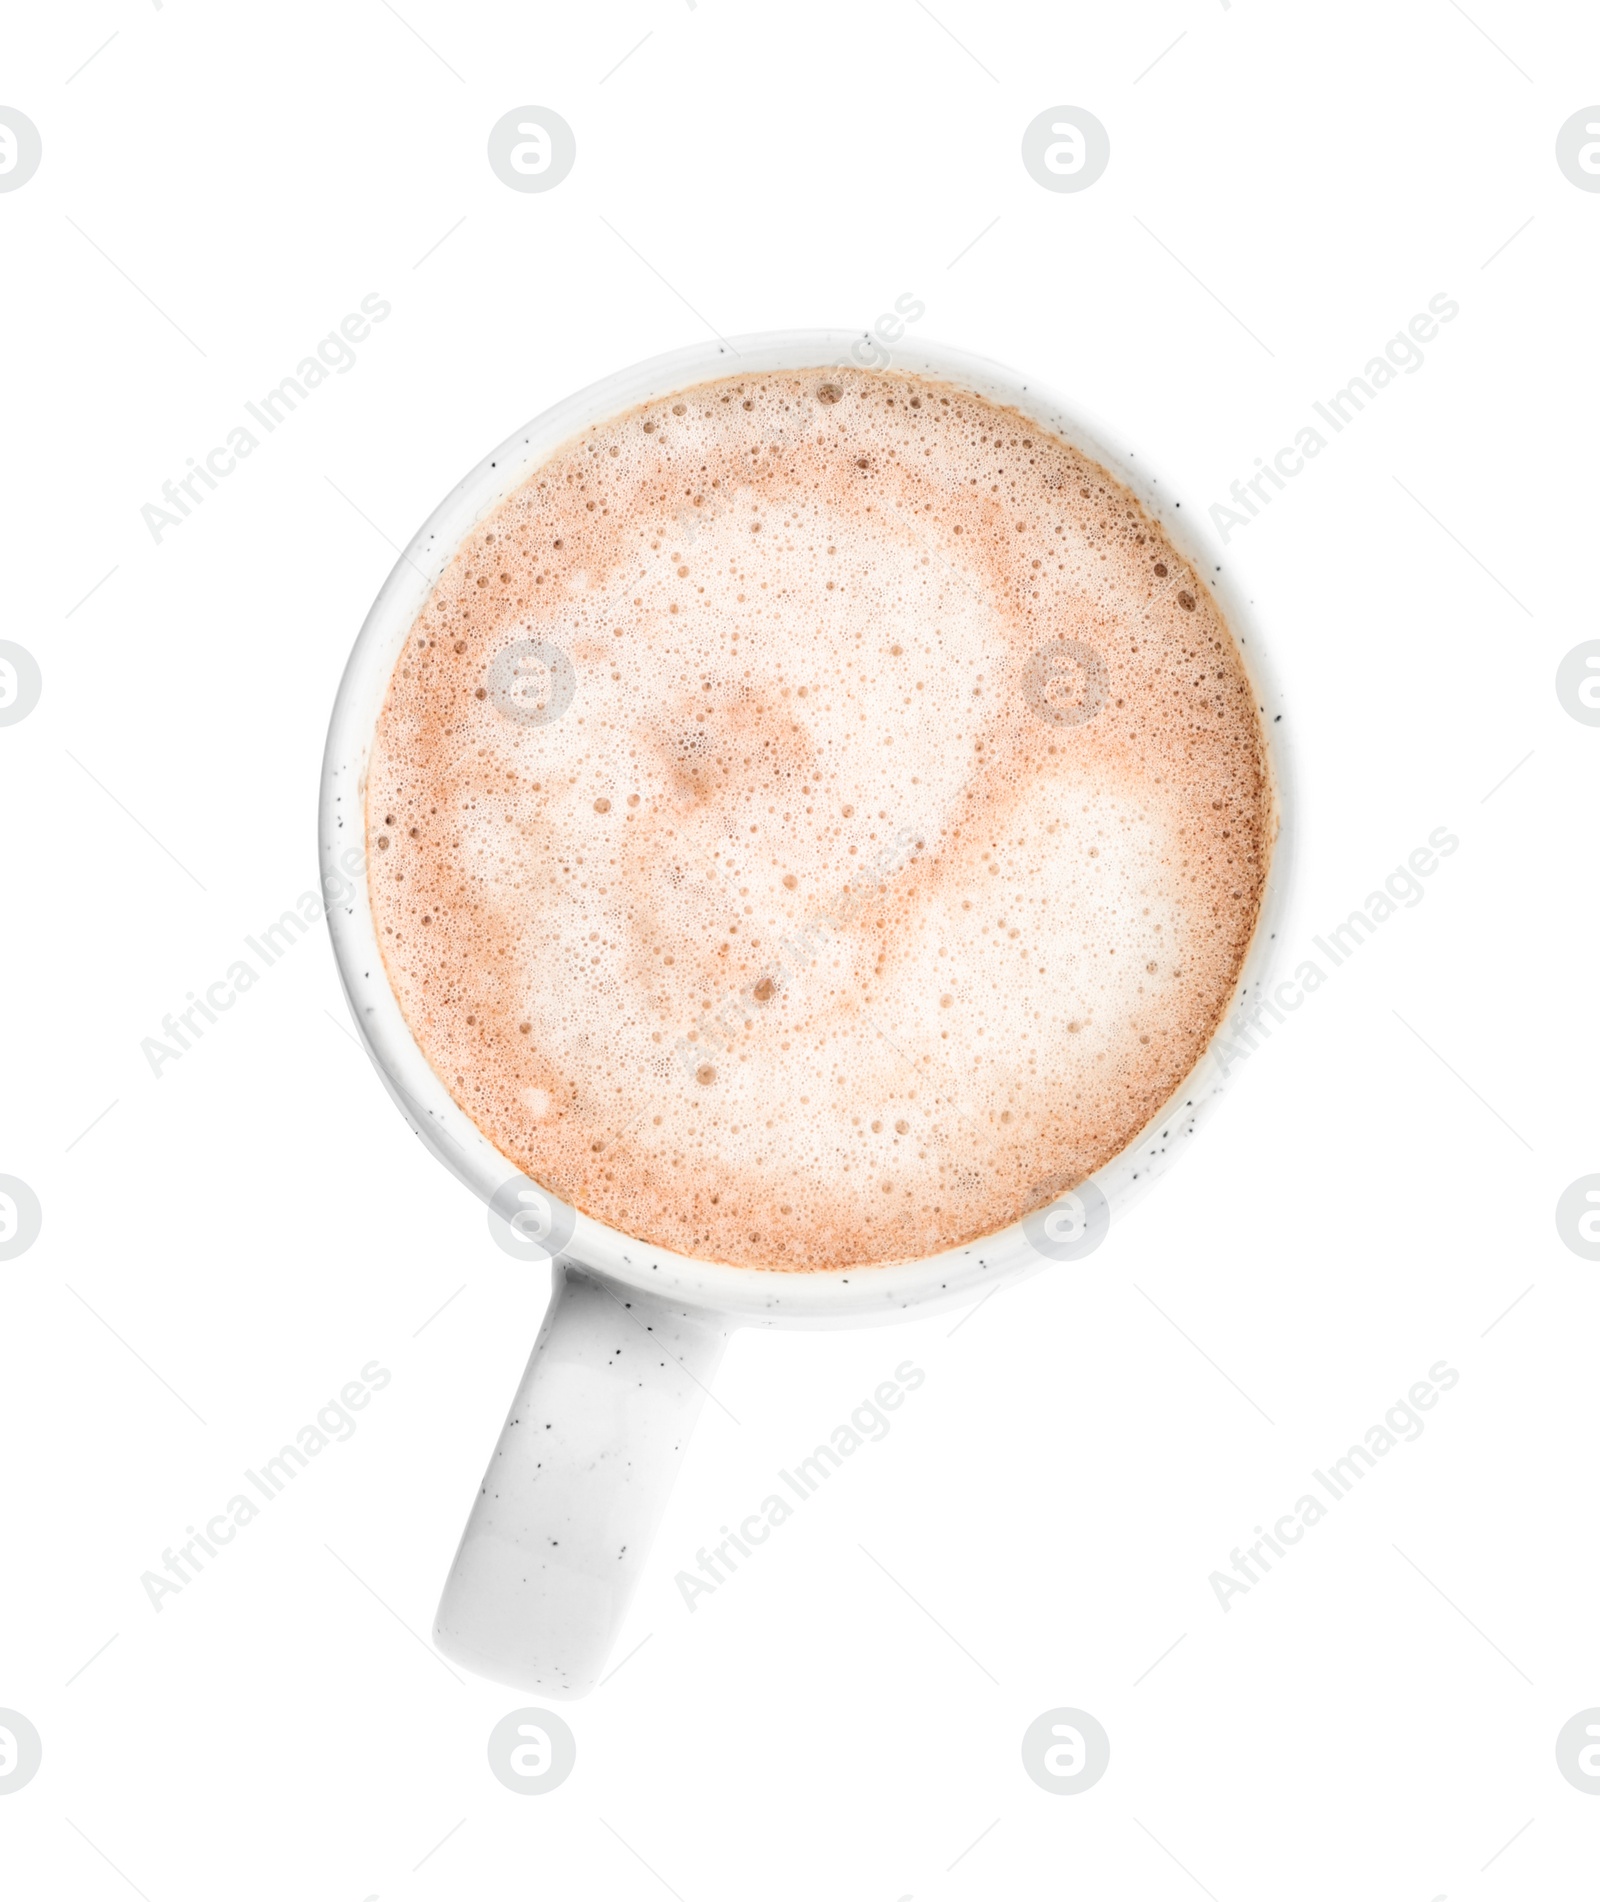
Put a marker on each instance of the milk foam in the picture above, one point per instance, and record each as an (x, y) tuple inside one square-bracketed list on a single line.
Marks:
[(816, 819)]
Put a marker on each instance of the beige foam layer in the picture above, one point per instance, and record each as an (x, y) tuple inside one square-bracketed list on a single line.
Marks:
[(894, 855)]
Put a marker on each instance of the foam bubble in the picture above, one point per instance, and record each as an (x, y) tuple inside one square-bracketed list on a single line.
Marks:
[(815, 819)]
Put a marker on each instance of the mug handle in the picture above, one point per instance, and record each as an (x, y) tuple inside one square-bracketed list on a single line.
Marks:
[(574, 1494)]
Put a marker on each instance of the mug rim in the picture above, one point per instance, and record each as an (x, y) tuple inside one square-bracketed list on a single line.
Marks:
[(757, 1294)]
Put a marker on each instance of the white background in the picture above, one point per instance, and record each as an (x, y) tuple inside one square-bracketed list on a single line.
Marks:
[(1378, 1717)]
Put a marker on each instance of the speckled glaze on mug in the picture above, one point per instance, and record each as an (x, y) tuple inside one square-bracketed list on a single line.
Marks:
[(579, 1479)]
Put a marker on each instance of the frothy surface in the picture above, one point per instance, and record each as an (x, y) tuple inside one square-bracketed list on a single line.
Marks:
[(816, 819)]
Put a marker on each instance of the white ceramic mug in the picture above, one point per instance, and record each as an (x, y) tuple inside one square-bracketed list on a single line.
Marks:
[(578, 1482)]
